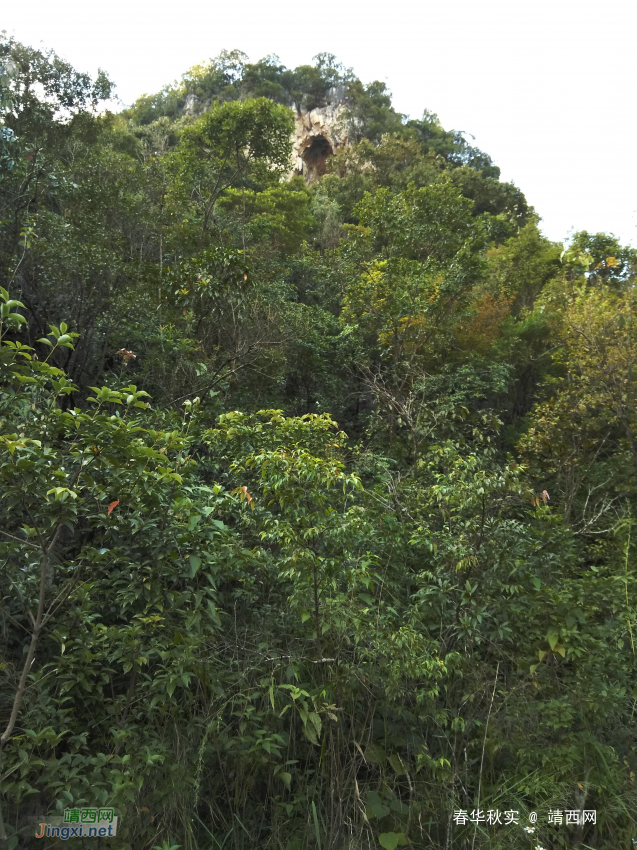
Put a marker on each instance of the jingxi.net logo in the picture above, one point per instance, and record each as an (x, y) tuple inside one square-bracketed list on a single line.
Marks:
[(80, 823)]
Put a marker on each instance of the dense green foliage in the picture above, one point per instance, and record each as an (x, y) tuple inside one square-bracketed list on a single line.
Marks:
[(315, 502)]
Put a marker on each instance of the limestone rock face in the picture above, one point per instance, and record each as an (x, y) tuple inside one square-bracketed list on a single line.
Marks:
[(318, 134), (191, 106)]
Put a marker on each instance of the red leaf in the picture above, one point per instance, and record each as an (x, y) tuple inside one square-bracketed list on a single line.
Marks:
[(112, 506)]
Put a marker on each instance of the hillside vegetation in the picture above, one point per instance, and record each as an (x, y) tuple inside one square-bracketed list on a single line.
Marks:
[(315, 502)]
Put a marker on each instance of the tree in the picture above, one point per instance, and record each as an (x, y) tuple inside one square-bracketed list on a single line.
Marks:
[(57, 532), (582, 437), (232, 144)]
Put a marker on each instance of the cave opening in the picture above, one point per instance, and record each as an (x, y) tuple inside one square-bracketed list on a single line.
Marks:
[(315, 157)]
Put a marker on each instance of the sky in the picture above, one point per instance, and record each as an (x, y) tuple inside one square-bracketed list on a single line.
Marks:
[(546, 88)]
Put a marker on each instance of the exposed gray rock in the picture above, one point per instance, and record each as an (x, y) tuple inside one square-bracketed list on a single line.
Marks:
[(318, 134), (191, 105)]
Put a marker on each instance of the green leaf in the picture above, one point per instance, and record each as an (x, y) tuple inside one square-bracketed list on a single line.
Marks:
[(212, 608), (316, 825), (310, 734), (375, 754), (195, 563), (396, 762), (388, 840), (316, 722), (375, 807)]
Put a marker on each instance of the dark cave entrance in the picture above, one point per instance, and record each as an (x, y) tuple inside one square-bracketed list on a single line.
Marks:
[(315, 157)]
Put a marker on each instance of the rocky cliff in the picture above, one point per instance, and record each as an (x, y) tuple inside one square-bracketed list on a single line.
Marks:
[(317, 135)]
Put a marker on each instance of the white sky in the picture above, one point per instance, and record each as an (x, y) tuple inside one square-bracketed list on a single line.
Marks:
[(546, 87)]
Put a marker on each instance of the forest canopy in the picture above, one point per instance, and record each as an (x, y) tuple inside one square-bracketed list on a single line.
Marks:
[(315, 500)]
